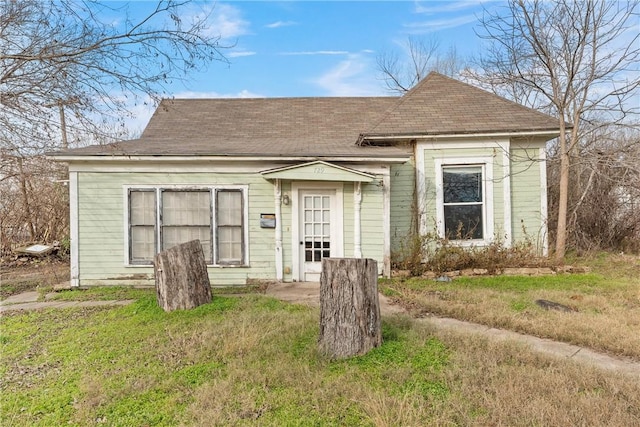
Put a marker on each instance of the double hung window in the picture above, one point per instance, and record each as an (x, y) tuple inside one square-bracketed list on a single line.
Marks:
[(463, 202), (160, 218)]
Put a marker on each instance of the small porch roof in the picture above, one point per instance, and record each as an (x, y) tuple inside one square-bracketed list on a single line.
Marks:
[(317, 171)]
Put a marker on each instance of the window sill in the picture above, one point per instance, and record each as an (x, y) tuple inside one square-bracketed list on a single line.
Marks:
[(470, 242)]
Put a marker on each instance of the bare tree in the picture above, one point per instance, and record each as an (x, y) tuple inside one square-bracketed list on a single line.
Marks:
[(70, 71), (420, 56), (577, 60), (604, 209)]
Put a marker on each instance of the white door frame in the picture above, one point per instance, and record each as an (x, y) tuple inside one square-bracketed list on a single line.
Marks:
[(337, 219)]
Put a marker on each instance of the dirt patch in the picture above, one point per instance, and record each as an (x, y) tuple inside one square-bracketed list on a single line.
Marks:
[(32, 274)]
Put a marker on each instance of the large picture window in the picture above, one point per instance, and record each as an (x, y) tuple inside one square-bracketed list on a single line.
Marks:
[(463, 202), (186, 216), (160, 218)]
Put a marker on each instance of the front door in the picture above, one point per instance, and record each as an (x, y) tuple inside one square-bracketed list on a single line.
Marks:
[(317, 210)]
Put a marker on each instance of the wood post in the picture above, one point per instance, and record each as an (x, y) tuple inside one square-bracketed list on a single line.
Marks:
[(181, 277), (349, 307)]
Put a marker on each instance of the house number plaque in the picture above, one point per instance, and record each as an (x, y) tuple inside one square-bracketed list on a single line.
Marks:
[(267, 220)]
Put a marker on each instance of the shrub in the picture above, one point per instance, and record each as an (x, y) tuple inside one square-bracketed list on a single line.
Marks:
[(440, 255)]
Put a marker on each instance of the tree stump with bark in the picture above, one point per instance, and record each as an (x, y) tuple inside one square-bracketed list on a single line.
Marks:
[(181, 277), (349, 307)]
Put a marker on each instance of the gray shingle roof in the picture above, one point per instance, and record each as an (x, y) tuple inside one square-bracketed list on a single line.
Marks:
[(321, 127), (442, 105)]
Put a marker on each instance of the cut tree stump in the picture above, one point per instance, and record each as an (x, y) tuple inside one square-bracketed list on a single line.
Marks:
[(182, 281), (349, 307)]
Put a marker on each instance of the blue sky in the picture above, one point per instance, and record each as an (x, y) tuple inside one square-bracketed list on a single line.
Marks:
[(320, 48)]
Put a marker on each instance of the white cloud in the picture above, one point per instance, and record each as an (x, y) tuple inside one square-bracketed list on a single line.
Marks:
[(224, 21), (444, 7), (239, 53), (431, 26), (229, 21), (279, 24), (350, 77), (203, 95), (316, 52)]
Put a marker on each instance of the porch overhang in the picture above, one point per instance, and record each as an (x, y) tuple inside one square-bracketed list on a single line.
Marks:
[(317, 171)]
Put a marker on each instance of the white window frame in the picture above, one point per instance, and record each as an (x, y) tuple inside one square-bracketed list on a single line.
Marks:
[(486, 165), (244, 189)]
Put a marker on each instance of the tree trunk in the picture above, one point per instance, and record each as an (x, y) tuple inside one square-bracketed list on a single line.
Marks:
[(182, 281), (349, 307), (563, 201)]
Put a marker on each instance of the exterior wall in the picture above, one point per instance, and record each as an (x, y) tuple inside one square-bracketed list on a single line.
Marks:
[(517, 196), (101, 204), (529, 216), (102, 220), (371, 223), (403, 213)]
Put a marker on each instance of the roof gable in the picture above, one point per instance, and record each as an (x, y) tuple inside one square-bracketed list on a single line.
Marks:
[(442, 105), (318, 171)]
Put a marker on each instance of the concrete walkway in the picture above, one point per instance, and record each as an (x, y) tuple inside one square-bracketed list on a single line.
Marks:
[(309, 293), (29, 301)]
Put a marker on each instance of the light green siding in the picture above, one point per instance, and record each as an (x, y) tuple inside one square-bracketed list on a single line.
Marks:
[(403, 210), (527, 221), (520, 189), (101, 228), (102, 223), (371, 222)]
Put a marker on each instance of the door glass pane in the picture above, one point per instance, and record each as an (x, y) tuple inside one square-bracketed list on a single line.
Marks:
[(316, 227)]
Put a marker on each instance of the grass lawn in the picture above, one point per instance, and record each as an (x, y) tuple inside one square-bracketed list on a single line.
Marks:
[(606, 303), (252, 360)]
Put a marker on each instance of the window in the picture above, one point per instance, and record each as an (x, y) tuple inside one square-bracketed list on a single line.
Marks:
[(229, 226), (142, 220), (463, 202), (186, 216), (160, 218)]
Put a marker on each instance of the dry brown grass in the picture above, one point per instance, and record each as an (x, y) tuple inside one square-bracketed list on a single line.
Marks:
[(606, 304), (502, 383)]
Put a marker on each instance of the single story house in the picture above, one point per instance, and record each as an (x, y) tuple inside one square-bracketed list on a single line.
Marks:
[(271, 186)]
